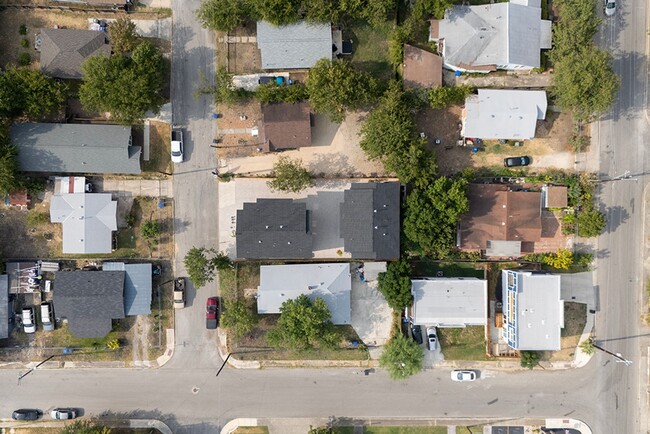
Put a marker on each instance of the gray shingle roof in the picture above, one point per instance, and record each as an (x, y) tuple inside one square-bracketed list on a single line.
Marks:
[(88, 221), (137, 286), (64, 50), (75, 148), (4, 306), (370, 220), (273, 229), (298, 45), (89, 300)]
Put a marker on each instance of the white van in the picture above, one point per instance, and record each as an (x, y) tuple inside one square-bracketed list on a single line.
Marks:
[(47, 317), (28, 320)]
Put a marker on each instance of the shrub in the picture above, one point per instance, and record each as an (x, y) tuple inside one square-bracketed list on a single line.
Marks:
[(150, 229), (24, 59), (23, 29), (272, 92), (443, 96), (529, 359), (24, 43), (590, 223), (289, 175)]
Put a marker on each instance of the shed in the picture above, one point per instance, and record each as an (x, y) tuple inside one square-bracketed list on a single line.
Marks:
[(286, 125), (421, 67), (555, 196), (137, 286)]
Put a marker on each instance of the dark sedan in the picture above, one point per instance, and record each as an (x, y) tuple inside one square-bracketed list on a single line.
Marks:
[(26, 414), (211, 313), (516, 161), (416, 332)]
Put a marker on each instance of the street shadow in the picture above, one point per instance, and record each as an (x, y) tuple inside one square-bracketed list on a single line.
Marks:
[(622, 214), (180, 225), (622, 338), (629, 102)]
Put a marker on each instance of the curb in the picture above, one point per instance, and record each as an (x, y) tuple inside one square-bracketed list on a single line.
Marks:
[(232, 425), (111, 423)]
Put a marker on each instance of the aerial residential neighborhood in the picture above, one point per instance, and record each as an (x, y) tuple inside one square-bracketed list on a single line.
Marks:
[(324, 217)]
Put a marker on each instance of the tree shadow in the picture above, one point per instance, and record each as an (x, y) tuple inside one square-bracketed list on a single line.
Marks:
[(616, 217)]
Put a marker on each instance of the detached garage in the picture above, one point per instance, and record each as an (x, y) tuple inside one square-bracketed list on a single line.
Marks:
[(449, 302)]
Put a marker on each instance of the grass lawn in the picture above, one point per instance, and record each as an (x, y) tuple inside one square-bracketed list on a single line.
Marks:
[(463, 343), (370, 51), (252, 430), (405, 430), (424, 268)]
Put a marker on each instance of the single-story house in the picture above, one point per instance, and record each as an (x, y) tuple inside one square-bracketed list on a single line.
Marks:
[(421, 68), (286, 126), (331, 282), (294, 46), (503, 113), (4, 306), (533, 311), (449, 301), (484, 38), (555, 196), (89, 220), (64, 50), (500, 221), (75, 148), (137, 286), (89, 300)]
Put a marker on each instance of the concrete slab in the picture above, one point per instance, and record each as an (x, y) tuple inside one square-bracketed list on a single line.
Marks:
[(134, 187), (579, 288), (371, 315), (160, 29), (147, 138)]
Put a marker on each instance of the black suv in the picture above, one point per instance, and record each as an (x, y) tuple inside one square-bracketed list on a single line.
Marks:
[(416, 332), (26, 414)]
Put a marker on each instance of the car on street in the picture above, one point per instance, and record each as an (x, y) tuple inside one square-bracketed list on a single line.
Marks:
[(516, 161), (26, 414), (610, 7), (64, 413), (458, 375), (179, 293), (416, 333), (177, 145), (432, 338), (211, 313), (28, 320)]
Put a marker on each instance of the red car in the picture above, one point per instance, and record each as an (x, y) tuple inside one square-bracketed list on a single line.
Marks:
[(211, 313)]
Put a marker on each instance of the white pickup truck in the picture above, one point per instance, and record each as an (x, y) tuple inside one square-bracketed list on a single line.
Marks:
[(179, 293), (177, 145)]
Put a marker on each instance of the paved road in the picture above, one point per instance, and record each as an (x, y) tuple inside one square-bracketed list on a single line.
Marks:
[(195, 193)]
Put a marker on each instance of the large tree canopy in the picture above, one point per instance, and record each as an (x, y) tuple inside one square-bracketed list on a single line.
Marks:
[(402, 357), (127, 87), (395, 284), (29, 93), (124, 37), (223, 15)]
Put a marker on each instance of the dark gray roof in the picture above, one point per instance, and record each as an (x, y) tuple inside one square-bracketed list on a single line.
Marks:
[(75, 148), (137, 286), (4, 306), (64, 50), (89, 300), (370, 222), (274, 229)]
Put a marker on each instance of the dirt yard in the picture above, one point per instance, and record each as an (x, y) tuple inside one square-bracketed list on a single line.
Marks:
[(159, 150), (240, 116), (243, 55), (575, 318)]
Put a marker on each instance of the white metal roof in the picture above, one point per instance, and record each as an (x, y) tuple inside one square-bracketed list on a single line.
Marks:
[(449, 301)]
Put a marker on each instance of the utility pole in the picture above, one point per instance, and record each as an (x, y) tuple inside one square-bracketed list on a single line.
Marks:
[(619, 358)]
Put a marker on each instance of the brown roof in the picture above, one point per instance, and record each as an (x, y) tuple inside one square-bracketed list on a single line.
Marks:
[(421, 68), (498, 214), (556, 197), (19, 198), (286, 125)]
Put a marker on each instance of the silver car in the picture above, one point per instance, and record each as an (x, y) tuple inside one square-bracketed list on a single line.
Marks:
[(610, 7), (63, 413), (432, 339), (28, 320)]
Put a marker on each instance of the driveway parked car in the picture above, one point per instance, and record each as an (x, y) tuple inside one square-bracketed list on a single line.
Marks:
[(457, 375), (432, 338), (28, 320), (610, 7), (516, 161), (416, 333), (26, 414), (211, 313), (63, 413)]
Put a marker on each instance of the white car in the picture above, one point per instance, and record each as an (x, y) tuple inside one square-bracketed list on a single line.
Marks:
[(177, 145), (432, 339), (63, 413), (610, 7), (458, 375), (28, 320)]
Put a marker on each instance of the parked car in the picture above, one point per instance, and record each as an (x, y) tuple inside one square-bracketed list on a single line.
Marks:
[(610, 7), (179, 293), (47, 317), (26, 414), (177, 145), (432, 338), (212, 313), (416, 333), (270, 79), (458, 375), (28, 320), (516, 161), (63, 413)]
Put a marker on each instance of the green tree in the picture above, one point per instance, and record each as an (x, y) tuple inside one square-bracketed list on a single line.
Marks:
[(402, 357), (432, 214), (587, 346), (560, 260), (322, 11), (272, 92), (529, 359), (336, 87), (9, 178), (201, 264), (30, 93), (127, 87), (443, 96), (414, 164), (289, 175), (395, 284), (304, 324), (278, 12), (424, 9), (223, 15), (237, 317), (590, 223), (123, 35), (319, 430), (223, 91), (150, 229), (85, 427)]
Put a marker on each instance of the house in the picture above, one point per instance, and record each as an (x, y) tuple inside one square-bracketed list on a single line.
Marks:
[(75, 148), (137, 286), (64, 50), (500, 221), (449, 301), (493, 36), (89, 220), (331, 282), (274, 229), (421, 68), (4, 306), (286, 126), (533, 311), (554, 196), (294, 46), (503, 113), (362, 222), (89, 301), (370, 215)]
